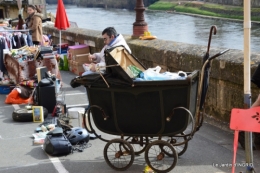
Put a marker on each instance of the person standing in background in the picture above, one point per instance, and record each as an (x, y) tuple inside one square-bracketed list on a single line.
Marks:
[(34, 24)]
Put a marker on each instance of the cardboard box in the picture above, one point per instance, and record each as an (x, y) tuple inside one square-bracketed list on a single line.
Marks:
[(80, 58), (70, 65), (77, 50), (77, 68)]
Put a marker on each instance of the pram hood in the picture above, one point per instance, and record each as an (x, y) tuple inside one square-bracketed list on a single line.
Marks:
[(117, 60)]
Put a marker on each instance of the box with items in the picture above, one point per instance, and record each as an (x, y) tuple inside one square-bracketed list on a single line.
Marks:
[(21, 63), (30, 69)]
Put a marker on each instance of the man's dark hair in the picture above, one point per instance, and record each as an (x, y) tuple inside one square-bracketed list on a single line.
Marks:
[(109, 31)]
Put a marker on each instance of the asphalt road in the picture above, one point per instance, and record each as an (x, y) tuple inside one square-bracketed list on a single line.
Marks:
[(210, 150)]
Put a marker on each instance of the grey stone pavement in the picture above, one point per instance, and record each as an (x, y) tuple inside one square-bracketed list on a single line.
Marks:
[(210, 150)]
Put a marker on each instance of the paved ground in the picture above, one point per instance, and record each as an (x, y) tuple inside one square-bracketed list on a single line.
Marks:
[(207, 151)]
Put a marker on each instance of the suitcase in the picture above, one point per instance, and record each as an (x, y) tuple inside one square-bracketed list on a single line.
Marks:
[(46, 97)]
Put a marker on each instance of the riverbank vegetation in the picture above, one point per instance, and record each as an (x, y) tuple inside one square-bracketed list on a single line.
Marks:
[(207, 9)]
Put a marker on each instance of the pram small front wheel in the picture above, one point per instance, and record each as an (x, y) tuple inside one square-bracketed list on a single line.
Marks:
[(157, 159), (119, 154)]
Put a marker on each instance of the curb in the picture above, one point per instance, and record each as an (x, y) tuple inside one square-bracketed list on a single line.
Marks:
[(217, 123)]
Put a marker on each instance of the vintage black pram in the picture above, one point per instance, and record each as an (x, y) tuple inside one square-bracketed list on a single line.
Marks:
[(148, 116)]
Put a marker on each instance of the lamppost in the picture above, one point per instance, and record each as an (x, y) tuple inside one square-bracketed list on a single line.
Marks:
[(139, 25)]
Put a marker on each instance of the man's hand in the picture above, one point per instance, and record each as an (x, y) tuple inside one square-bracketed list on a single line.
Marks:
[(92, 58), (92, 67)]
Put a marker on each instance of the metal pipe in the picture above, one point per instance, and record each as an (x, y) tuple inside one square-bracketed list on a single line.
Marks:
[(247, 86)]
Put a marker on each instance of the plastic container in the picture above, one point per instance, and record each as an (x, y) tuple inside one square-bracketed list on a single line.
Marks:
[(74, 112), (4, 89)]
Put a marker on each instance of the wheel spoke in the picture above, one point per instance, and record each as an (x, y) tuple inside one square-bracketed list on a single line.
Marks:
[(119, 154), (157, 159)]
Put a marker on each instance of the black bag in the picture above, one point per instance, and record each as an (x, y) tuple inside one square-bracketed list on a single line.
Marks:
[(56, 143), (46, 82)]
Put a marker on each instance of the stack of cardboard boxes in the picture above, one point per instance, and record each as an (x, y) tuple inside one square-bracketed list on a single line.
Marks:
[(78, 55)]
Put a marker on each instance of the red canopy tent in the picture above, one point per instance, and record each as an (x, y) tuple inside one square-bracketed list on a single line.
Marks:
[(61, 20)]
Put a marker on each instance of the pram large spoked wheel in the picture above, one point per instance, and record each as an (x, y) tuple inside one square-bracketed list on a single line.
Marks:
[(119, 154), (156, 157)]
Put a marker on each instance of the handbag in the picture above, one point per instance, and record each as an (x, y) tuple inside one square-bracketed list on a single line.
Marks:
[(56, 143)]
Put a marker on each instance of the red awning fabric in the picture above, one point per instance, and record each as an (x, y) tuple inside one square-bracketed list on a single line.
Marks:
[(61, 21)]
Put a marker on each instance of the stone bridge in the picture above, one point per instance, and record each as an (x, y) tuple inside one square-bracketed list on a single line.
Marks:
[(226, 82)]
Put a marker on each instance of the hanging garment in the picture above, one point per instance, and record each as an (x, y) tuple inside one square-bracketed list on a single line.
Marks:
[(2, 47)]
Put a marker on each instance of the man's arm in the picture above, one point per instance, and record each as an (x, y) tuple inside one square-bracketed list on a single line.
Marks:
[(94, 57)]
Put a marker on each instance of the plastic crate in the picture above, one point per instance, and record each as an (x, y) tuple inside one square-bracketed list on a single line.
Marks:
[(5, 89)]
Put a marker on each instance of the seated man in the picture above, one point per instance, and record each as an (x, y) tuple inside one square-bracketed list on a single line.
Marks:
[(111, 39)]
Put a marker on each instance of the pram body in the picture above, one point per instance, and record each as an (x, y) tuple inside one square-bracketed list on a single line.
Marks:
[(151, 114), (142, 110)]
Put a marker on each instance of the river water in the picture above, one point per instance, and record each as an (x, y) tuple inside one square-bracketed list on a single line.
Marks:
[(166, 26)]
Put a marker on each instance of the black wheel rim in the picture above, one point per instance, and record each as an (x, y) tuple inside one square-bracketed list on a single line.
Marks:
[(180, 149)]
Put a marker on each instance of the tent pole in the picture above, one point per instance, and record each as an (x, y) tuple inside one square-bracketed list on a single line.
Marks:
[(247, 86), (60, 42)]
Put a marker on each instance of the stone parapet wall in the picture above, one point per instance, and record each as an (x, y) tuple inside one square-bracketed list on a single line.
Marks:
[(226, 82)]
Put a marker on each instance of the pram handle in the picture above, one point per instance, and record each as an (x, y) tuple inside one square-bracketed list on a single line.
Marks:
[(168, 119), (218, 54), (200, 119)]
